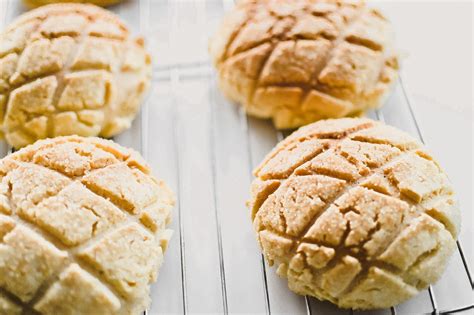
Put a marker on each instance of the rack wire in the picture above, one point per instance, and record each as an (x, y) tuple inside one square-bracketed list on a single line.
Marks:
[(213, 264)]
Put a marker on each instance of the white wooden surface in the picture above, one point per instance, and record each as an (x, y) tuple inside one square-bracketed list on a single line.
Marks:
[(205, 148)]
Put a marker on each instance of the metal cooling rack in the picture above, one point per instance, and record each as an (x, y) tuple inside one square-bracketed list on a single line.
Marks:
[(205, 148)]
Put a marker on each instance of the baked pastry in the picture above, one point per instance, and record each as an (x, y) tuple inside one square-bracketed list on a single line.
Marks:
[(82, 228), (37, 3), (69, 69), (355, 212), (300, 61)]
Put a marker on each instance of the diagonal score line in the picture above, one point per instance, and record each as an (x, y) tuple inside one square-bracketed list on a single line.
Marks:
[(72, 251), (404, 152)]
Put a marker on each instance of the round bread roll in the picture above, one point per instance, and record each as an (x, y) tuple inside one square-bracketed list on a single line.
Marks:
[(300, 61), (354, 212), (82, 228), (37, 3), (69, 69)]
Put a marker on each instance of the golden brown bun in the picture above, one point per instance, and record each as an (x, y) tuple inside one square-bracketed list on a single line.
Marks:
[(82, 228), (69, 69), (355, 212), (37, 3), (300, 61)]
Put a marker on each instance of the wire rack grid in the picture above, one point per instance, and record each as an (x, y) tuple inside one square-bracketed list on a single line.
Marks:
[(205, 149)]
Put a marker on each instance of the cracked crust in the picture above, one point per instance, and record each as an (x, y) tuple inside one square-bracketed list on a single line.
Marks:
[(301, 61), (69, 69), (83, 228), (355, 212), (37, 3)]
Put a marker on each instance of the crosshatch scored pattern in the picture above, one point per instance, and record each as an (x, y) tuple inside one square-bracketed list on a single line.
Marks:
[(116, 252), (185, 110), (48, 58), (337, 169), (315, 45)]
